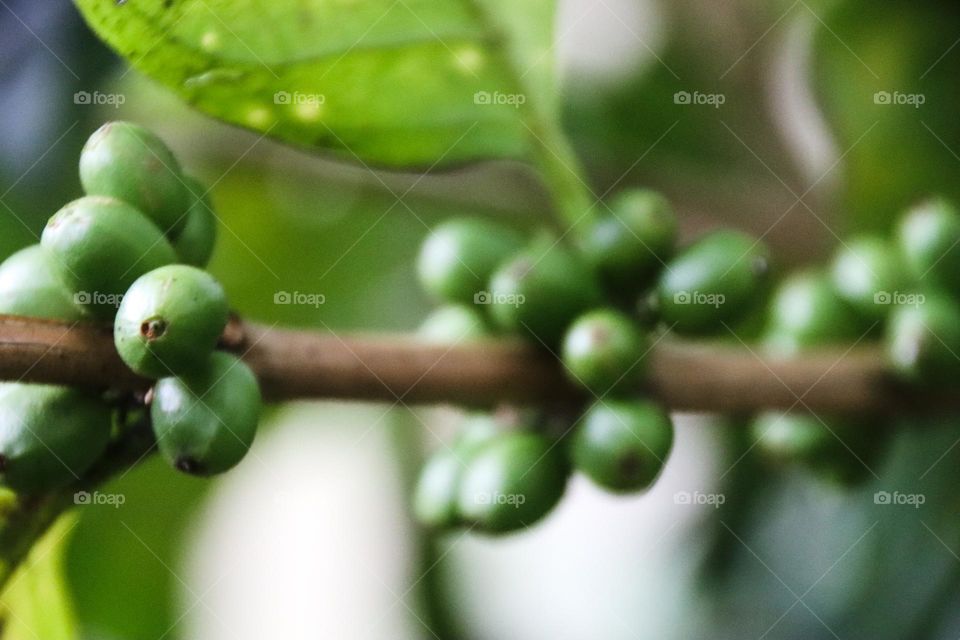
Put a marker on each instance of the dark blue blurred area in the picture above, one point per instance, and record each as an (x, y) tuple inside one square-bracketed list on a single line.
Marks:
[(46, 55)]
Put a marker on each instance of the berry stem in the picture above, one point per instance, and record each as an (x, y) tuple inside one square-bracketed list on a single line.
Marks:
[(562, 173), (685, 376)]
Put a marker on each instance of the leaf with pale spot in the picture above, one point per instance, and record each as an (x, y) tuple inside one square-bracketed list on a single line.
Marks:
[(390, 82)]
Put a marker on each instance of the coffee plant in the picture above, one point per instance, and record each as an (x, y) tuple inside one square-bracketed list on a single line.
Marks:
[(566, 344), (110, 256)]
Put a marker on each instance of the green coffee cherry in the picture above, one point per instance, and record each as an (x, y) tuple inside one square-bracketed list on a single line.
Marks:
[(622, 445), (839, 450), (49, 435), (714, 280), (805, 311), (127, 162), (453, 324), (923, 340), (29, 286), (205, 421), (785, 437), (603, 349), (512, 481), (170, 320), (541, 290), (929, 237), (99, 246), (629, 246), (459, 255), (435, 496), (867, 273), (194, 243)]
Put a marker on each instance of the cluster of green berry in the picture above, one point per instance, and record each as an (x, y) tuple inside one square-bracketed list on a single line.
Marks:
[(901, 290), (130, 251), (592, 303)]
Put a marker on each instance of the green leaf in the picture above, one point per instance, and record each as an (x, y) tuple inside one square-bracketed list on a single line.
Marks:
[(390, 82), (36, 602), (893, 112)]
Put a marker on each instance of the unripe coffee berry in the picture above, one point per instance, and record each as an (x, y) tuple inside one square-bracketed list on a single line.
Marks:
[(170, 320), (715, 280), (630, 245), (459, 255), (126, 161), (622, 445), (30, 286), (603, 349), (99, 246), (49, 435), (511, 482), (205, 420)]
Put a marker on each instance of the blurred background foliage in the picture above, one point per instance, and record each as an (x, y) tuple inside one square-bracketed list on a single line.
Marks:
[(799, 151)]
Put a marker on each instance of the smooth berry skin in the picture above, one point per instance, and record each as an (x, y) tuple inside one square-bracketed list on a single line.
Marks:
[(49, 435), (511, 482), (791, 436), (205, 421), (435, 494), (629, 246), (867, 272), (715, 280), (922, 341), (125, 161), (540, 291), (805, 311), (603, 350), (453, 324), (195, 241), (30, 286), (929, 238), (170, 320), (459, 255), (622, 445), (840, 451), (99, 246), (438, 485)]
